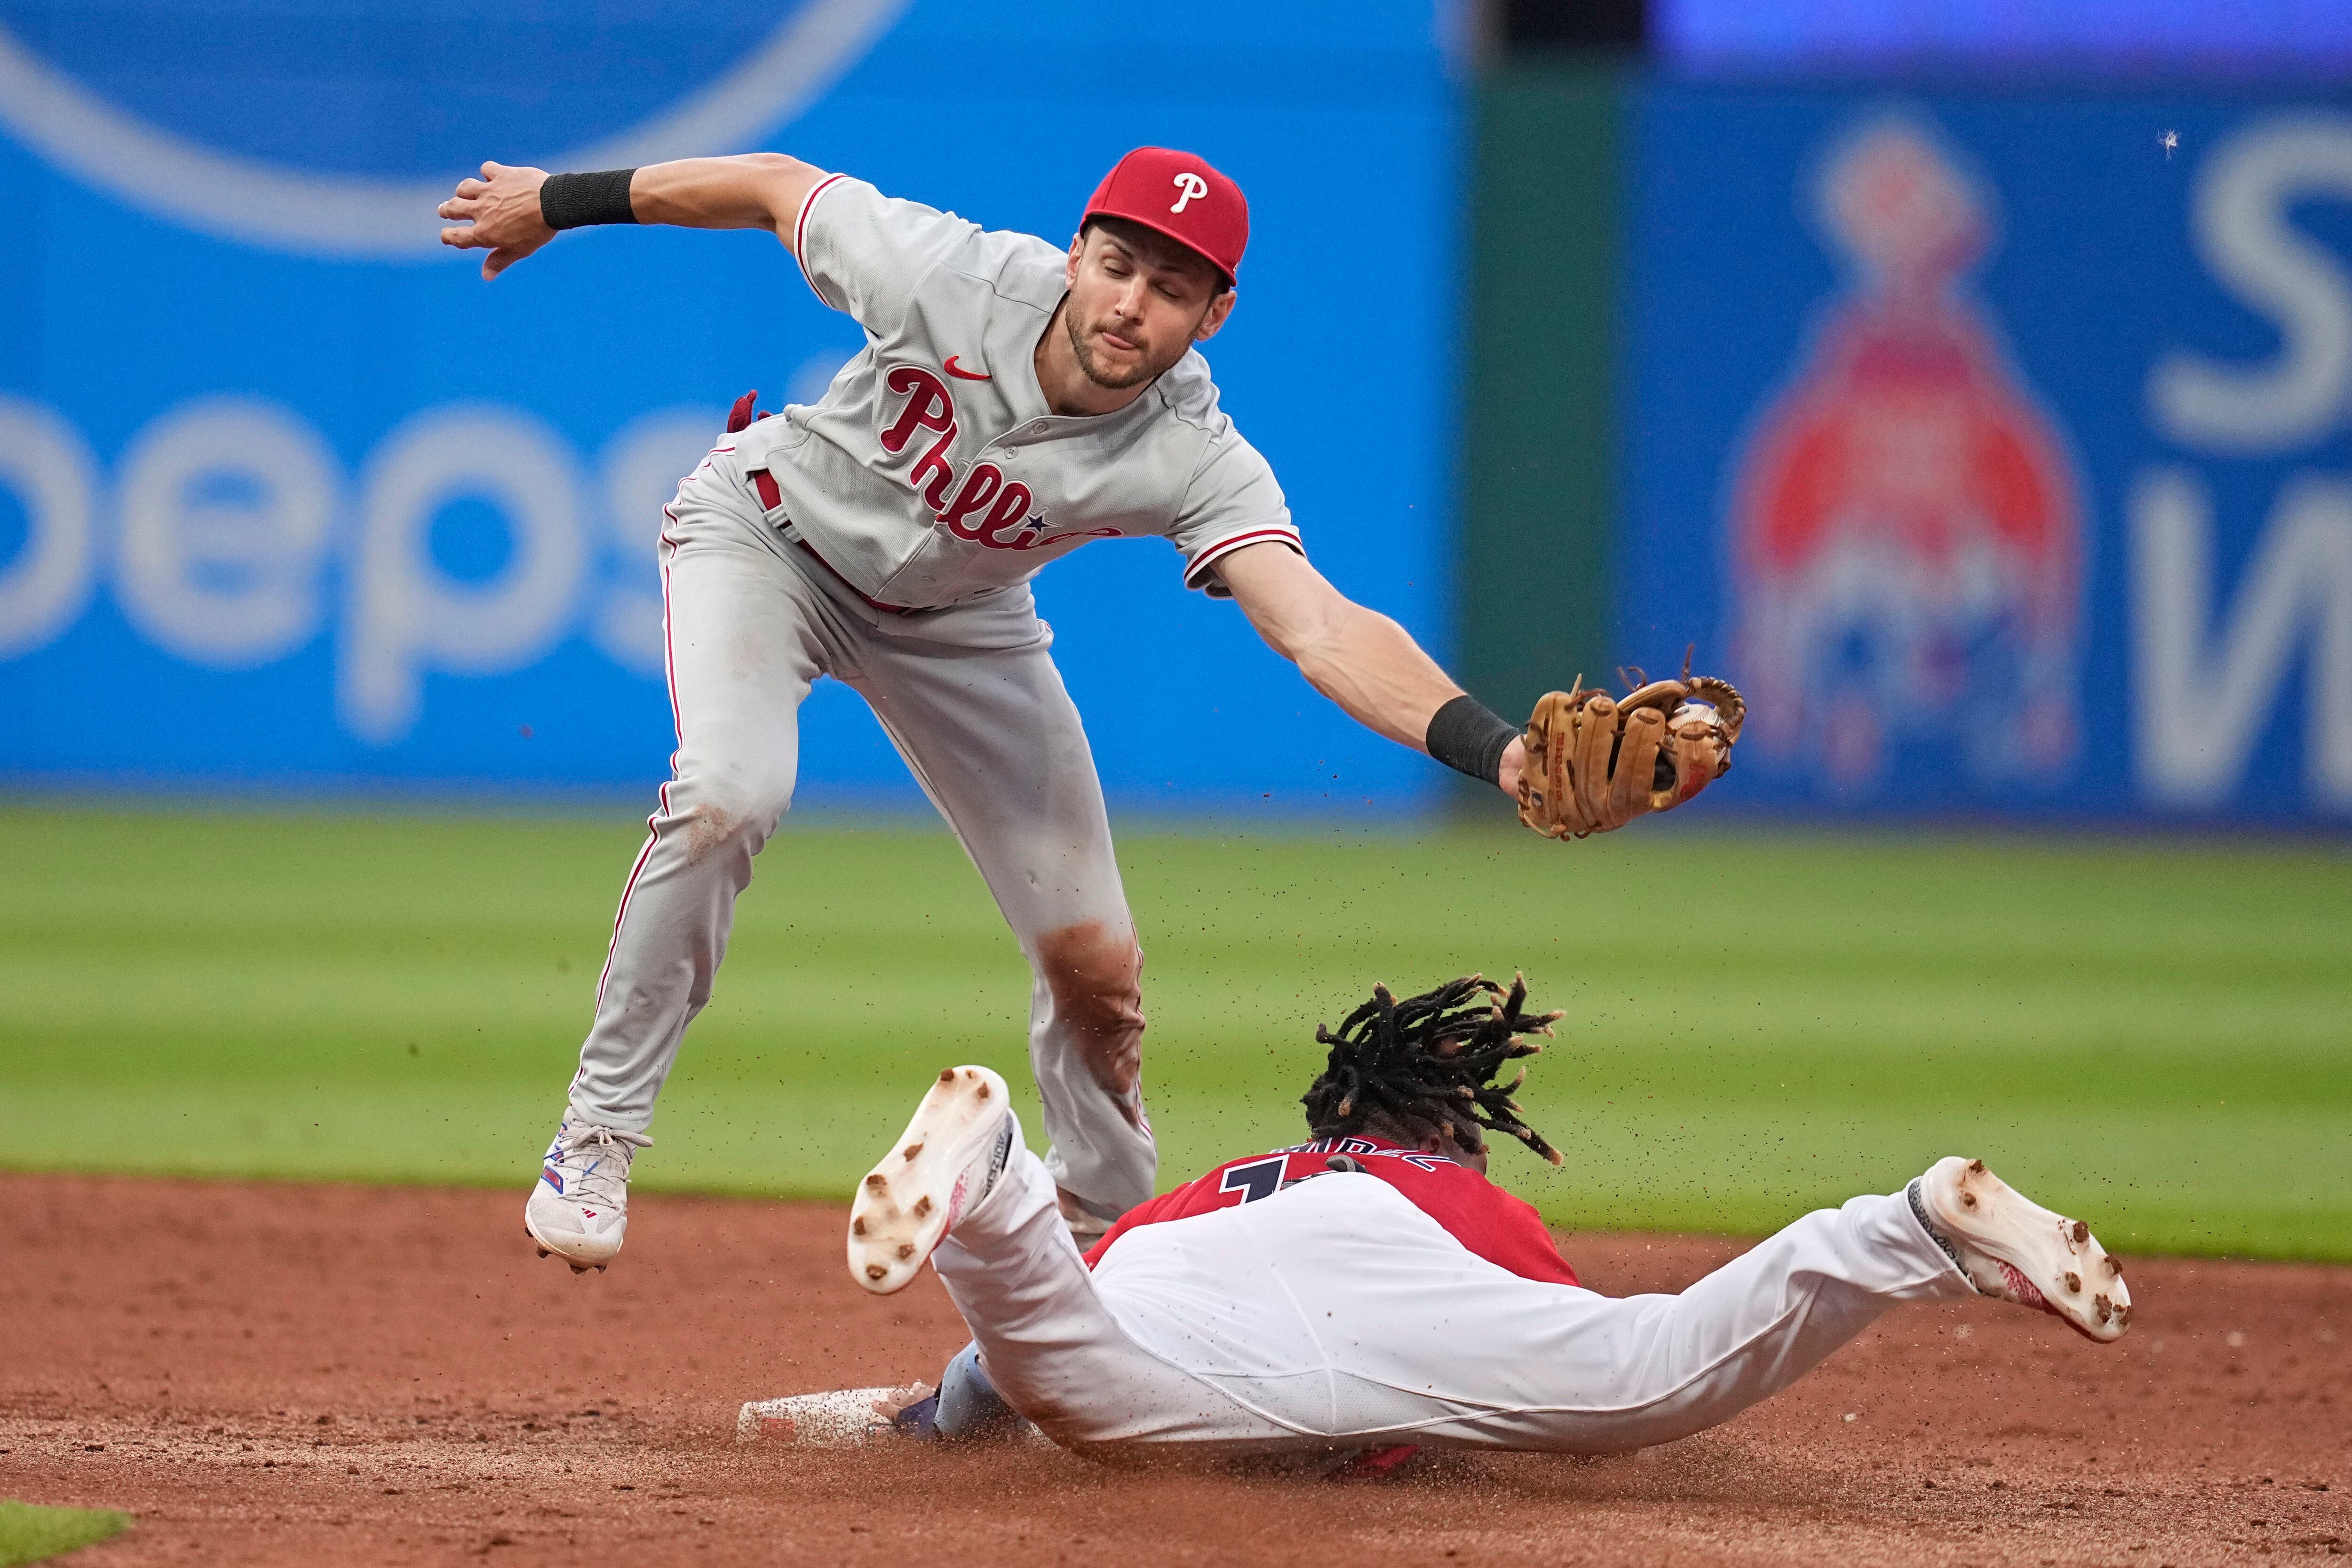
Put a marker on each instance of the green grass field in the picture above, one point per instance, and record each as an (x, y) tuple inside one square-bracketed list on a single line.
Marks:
[(2156, 1035), (32, 1533)]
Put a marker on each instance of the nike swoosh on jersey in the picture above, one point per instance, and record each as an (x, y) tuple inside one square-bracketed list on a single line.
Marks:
[(961, 374)]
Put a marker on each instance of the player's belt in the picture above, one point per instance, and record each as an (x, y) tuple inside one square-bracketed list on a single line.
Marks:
[(771, 497)]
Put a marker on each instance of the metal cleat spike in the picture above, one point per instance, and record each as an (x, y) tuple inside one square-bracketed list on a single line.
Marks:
[(876, 1271), (2074, 1284)]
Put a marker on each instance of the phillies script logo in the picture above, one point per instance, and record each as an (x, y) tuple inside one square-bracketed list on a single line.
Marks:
[(986, 508), (1906, 538)]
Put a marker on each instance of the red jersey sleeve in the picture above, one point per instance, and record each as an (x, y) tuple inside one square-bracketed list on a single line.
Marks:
[(1502, 1230)]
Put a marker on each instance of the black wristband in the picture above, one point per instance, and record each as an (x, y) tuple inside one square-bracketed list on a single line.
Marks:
[(576, 201), (1470, 737)]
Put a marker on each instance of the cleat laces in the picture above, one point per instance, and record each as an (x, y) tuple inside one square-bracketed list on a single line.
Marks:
[(594, 1163)]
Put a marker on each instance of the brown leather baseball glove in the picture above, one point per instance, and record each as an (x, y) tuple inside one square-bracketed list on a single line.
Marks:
[(1596, 762)]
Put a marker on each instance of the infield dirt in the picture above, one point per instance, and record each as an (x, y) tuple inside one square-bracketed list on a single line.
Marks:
[(268, 1374)]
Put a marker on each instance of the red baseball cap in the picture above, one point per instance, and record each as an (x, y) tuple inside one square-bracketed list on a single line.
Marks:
[(1179, 195)]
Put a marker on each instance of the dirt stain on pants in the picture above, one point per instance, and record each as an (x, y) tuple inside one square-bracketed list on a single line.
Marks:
[(708, 828), (1096, 975)]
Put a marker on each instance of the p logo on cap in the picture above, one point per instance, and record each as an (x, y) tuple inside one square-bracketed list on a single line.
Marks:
[(1209, 214)]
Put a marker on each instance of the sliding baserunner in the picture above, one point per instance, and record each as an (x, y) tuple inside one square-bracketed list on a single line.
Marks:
[(1371, 1288)]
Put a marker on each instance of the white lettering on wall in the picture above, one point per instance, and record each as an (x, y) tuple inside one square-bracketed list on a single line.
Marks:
[(406, 616), (45, 464), (226, 509), (2207, 679), (230, 510), (2241, 226)]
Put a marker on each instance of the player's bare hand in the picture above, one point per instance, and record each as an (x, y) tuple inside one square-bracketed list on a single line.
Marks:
[(500, 214), (1515, 757)]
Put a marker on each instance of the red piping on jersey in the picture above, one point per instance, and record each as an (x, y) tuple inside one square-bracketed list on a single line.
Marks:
[(800, 234), (1224, 547), (771, 497)]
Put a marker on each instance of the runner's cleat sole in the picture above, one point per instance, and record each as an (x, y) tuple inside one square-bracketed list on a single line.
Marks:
[(945, 1161), (2013, 1247)]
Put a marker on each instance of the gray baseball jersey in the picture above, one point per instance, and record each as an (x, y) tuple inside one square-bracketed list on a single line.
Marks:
[(932, 470)]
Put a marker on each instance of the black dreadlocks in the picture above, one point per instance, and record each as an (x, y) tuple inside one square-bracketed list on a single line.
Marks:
[(1423, 1065)]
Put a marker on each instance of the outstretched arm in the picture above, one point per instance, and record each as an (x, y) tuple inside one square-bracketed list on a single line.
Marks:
[(500, 211), (1358, 658)]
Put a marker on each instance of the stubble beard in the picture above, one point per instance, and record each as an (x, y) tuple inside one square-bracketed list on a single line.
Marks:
[(1110, 380)]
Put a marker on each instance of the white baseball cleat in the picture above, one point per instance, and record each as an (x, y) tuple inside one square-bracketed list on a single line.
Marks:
[(949, 1159), (579, 1207), (2013, 1247)]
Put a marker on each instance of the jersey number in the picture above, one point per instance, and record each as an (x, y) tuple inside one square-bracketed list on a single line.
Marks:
[(1258, 1179)]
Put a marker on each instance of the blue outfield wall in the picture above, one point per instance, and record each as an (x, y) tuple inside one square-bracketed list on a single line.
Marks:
[(1998, 444), (290, 498)]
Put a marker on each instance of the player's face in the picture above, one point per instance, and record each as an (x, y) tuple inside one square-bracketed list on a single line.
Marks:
[(1133, 311)]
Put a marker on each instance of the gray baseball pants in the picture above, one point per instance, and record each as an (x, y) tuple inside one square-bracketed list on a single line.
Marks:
[(971, 697)]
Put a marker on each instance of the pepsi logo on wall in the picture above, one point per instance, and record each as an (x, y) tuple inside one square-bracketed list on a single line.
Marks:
[(334, 129), (290, 497)]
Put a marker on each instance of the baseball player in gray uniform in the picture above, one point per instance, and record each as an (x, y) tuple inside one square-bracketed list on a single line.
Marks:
[(1013, 400)]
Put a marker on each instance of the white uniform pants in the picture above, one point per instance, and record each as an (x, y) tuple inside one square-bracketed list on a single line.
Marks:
[(1335, 1315), (970, 697)]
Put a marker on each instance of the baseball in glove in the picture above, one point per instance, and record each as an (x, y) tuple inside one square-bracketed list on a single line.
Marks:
[(1596, 762)]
